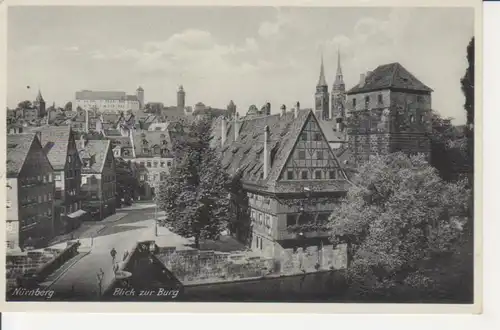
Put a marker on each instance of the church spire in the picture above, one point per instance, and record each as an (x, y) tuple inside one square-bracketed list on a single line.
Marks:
[(339, 67), (39, 97), (322, 80)]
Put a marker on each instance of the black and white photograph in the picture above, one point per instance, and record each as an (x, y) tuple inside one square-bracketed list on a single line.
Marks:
[(241, 154)]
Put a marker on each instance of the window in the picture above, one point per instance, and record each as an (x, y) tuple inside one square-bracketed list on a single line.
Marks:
[(289, 175), (319, 155), (141, 164), (304, 175), (303, 136), (332, 174), (317, 175), (69, 159), (367, 101), (317, 137), (155, 164), (162, 164), (291, 220), (354, 103), (421, 119), (260, 218), (302, 154), (169, 164), (148, 164), (420, 98), (50, 196), (412, 118)]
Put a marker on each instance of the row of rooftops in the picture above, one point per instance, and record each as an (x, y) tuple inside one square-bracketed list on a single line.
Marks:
[(55, 142)]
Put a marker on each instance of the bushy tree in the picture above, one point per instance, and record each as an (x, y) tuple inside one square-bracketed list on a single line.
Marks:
[(25, 105), (397, 216), (241, 224), (448, 148), (126, 182), (195, 196), (68, 106)]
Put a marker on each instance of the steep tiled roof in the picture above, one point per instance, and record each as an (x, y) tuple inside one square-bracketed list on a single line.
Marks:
[(246, 153), (97, 151), (55, 141), (151, 140), (328, 128), (390, 76), (132, 98), (18, 146)]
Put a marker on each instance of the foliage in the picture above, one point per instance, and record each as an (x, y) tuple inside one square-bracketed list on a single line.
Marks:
[(25, 105), (397, 215), (467, 83), (68, 106), (448, 148), (126, 182), (195, 196), (241, 225)]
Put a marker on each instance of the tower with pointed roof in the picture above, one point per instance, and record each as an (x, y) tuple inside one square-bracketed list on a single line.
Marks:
[(140, 96), (321, 97), (39, 105), (338, 93), (181, 98)]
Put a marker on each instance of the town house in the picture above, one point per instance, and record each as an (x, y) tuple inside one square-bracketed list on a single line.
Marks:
[(289, 172), (98, 177), (59, 144), (30, 193)]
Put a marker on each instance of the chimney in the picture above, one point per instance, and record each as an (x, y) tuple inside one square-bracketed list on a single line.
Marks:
[(223, 131), (296, 113), (268, 109), (283, 110), (83, 142), (236, 125), (132, 144), (267, 152), (362, 78)]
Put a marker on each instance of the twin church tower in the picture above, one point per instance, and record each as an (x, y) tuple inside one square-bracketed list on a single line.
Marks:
[(326, 109)]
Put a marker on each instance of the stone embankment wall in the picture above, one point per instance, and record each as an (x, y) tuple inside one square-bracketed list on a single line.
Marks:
[(35, 266), (200, 267)]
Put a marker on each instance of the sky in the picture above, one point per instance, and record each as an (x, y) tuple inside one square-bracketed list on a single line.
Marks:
[(251, 55)]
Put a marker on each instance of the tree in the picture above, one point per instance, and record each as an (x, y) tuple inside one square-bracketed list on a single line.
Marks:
[(467, 83), (25, 105), (195, 196), (126, 182), (68, 106), (241, 224), (448, 148), (398, 216)]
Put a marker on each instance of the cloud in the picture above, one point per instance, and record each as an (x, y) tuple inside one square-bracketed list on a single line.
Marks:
[(71, 48), (271, 29)]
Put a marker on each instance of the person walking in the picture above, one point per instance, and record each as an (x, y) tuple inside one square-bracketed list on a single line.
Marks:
[(113, 255)]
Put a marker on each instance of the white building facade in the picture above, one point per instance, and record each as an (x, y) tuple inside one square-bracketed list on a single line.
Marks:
[(107, 101)]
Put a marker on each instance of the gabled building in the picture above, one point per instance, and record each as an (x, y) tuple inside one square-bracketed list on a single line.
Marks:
[(30, 193), (60, 147), (152, 155), (98, 178), (388, 111), (289, 173)]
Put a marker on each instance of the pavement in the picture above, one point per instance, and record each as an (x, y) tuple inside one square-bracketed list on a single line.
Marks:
[(121, 233)]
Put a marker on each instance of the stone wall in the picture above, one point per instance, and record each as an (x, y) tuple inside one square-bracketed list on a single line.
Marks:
[(35, 266), (194, 266)]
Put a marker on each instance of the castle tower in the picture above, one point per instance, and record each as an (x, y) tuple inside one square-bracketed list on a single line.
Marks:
[(231, 108), (321, 108), (181, 98), (338, 93), (40, 105), (140, 96)]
